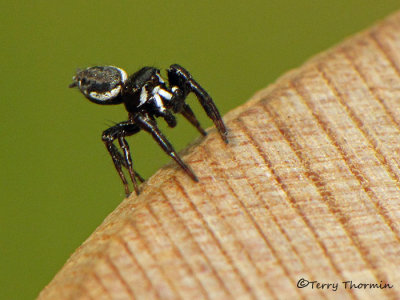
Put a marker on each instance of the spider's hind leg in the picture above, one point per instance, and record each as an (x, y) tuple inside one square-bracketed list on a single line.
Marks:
[(180, 78), (120, 131), (127, 160)]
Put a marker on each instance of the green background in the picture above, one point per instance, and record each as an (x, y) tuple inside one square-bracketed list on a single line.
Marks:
[(57, 181)]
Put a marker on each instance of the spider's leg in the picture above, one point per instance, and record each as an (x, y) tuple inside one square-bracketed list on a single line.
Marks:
[(117, 160), (148, 124), (124, 161), (119, 131), (189, 115), (178, 105), (168, 117), (128, 160), (181, 78), (137, 175)]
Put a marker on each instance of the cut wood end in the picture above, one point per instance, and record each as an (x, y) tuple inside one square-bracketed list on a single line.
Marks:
[(308, 188)]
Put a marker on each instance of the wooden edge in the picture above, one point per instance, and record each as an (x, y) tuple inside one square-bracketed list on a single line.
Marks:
[(307, 190)]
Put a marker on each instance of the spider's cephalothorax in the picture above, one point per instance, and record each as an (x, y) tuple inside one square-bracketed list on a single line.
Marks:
[(145, 96)]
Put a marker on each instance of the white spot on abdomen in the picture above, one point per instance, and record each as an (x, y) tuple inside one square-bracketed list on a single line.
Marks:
[(124, 75), (106, 95)]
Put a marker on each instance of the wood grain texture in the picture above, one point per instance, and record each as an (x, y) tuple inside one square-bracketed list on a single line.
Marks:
[(307, 188)]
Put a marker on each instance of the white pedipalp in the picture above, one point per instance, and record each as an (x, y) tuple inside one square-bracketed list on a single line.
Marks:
[(157, 98), (158, 102), (143, 96)]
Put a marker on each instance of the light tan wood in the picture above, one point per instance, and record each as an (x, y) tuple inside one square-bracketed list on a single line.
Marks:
[(307, 188)]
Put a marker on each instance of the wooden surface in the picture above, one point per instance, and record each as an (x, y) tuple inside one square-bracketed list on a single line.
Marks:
[(307, 188)]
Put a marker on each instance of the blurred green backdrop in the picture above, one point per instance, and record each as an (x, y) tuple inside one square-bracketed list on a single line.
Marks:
[(57, 181)]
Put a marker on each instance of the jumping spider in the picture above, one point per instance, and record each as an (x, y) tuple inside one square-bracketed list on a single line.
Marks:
[(145, 96)]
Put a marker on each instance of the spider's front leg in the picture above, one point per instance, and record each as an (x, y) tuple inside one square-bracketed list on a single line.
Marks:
[(147, 123), (182, 83), (120, 131)]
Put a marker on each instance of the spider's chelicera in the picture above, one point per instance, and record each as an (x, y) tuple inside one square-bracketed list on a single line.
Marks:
[(145, 96)]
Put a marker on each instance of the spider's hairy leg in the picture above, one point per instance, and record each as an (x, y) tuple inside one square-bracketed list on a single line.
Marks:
[(147, 123), (120, 131), (181, 78)]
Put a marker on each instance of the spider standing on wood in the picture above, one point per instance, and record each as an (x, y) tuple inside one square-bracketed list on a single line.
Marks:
[(145, 96)]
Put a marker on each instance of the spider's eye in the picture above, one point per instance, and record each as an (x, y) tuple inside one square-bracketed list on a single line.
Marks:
[(101, 85)]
